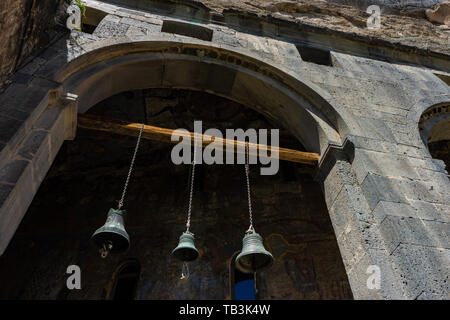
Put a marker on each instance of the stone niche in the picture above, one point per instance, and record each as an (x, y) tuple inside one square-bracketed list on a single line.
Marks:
[(87, 177)]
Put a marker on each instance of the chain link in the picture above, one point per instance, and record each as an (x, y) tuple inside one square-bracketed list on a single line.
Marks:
[(247, 151), (191, 192), (131, 168)]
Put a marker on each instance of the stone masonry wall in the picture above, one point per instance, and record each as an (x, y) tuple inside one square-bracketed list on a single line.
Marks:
[(402, 21), (27, 26), (387, 198)]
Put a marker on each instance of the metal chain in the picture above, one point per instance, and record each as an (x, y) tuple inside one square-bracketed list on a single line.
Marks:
[(131, 168), (191, 192), (248, 186)]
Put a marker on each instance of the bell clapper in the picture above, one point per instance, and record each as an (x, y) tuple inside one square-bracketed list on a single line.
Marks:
[(106, 249), (184, 271)]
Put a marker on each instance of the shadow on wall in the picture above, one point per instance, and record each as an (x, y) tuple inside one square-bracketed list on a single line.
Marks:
[(32, 26)]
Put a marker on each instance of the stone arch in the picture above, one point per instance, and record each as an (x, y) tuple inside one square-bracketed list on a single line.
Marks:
[(434, 130), (434, 123), (310, 113), (307, 111), (115, 65), (106, 67), (128, 271), (432, 117)]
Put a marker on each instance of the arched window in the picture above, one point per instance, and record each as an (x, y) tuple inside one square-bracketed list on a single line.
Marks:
[(125, 281), (242, 285), (434, 127)]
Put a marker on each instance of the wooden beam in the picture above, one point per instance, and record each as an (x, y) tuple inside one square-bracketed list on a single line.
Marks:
[(92, 122)]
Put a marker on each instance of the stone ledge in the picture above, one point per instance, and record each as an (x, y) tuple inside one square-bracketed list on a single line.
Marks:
[(378, 145), (396, 230), (431, 211), (398, 209), (382, 164), (378, 188)]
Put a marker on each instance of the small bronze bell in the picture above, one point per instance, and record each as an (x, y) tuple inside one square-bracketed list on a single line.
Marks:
[(186, 250), (253, 257), (112, 237)]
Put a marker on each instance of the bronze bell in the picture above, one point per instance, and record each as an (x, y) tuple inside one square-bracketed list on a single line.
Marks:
[(112, 237), (253, 257), (186, 250)]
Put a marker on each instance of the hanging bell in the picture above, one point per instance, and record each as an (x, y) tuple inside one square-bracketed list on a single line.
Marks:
[(186, 250), (253, 257), (112, 237)]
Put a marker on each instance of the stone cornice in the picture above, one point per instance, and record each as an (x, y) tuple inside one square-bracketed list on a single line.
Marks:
[(282, 27)]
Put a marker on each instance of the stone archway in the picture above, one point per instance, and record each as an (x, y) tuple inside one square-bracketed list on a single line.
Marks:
[(109, 68), (434, 127), (112, 68), (432, 117), (270, 90)]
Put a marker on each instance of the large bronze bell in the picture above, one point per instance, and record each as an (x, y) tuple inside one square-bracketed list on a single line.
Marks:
[(253, 257), (112, 237), (186, 250)]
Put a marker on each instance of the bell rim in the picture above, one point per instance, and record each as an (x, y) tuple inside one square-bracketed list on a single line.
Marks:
[(111, 230), (186, 244), (175, 253), (267, 254), (114, 231)]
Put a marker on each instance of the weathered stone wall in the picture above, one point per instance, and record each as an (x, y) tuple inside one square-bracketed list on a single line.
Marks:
[(27, 26), (387, 198), (87, 178), (401, 5), (402, 22)]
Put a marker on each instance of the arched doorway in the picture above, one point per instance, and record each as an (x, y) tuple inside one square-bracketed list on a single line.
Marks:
[(124, 282)]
